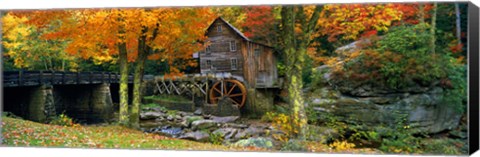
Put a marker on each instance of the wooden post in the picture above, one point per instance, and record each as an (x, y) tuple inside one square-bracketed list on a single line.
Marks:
[(40, 77), (90, 77), (53, 77), (63, 77), (78, 78), (206, 90), (103, 73), (20, 79), (109, 77)]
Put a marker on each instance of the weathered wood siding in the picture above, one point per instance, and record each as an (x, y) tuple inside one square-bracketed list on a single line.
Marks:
[(260, 65), (256, 63), (220, 55)]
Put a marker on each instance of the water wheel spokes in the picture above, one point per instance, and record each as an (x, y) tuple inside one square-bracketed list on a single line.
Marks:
[(232, 89)]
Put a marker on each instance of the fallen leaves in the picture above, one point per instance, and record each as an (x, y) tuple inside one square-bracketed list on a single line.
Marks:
[(18, 132)]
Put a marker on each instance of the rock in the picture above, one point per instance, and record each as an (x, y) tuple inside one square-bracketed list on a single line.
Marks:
[(223, 132), (227, 119), (250, 132), (198, 111), (178, 117), (203, 124), (196, 136), (206, 116), (255, 142), (184, 124), (169, 117), (191, 119), (169, 131), (424, 111), (157, 109), (226, 107), (235, 125), (150, 115)]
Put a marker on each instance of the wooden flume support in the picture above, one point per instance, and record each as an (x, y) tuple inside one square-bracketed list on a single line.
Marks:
[(224, 86)]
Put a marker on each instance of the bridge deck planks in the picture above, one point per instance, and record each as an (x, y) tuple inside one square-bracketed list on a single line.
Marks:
[(35, 78)]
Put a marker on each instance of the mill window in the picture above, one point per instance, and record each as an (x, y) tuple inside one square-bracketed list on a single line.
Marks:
[(209, 64), (233, 46), (208, 49), (233, 63), (219, 28)]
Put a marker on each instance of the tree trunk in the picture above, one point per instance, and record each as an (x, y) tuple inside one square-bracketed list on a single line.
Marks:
[(432, 30), (295, 94), (421, 13), (294, 73), (122, 47), (137, 82), (459, 29)]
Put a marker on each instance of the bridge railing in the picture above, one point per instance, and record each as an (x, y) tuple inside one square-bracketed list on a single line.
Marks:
[(28, 78)]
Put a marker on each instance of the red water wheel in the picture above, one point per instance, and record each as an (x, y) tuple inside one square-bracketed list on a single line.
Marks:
[(232, 89)]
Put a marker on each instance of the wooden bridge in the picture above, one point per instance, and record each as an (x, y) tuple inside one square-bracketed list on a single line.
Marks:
[(35, 78), (41, 95)]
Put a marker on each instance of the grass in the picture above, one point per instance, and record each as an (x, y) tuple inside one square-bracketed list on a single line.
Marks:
[(171, 98), (17, 132), (152, 105)]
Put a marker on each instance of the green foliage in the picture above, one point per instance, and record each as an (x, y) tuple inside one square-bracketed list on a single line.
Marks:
[(402, 58), (294, 145), (456, 96), (281, 68), (312, 115), (153, 105), (444, 146), (397, 138), (171, 98), (63, 120), (11, 115), (216, 138)]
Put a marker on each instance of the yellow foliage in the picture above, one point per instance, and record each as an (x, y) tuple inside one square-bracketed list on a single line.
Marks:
[(341, 145), (283, 123)]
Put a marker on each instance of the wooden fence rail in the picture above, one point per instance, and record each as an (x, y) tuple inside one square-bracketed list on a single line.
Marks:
[(33, 78)]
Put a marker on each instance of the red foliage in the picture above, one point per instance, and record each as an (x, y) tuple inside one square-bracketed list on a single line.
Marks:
[(410, 12), (456, 48), (259, 22)]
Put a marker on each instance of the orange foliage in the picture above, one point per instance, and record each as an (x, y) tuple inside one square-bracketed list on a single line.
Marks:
[(351, 21), (172, 33)]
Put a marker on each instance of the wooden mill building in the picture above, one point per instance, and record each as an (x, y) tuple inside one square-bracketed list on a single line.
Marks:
[(227, 50)]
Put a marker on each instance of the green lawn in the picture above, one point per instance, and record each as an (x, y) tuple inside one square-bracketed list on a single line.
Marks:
[(18, 132)]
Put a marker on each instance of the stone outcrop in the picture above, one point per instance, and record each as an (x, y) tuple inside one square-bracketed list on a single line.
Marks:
[(375, 106)]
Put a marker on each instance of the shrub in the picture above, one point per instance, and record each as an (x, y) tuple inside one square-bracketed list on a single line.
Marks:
[(294, 145), (281, 122), (63, 120), (216, 138), (341, 145)]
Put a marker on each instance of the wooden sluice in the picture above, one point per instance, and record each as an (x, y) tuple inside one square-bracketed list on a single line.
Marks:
[(211, 87)]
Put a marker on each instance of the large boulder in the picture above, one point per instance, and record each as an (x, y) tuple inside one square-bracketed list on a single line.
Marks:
[(196, 136), (255, 142), (423, 110), (227, 119), (203, 124), (151, 115)]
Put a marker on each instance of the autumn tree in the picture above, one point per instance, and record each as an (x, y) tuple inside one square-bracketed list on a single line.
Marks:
[(235, 15), (132, 35), (29, 51)]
